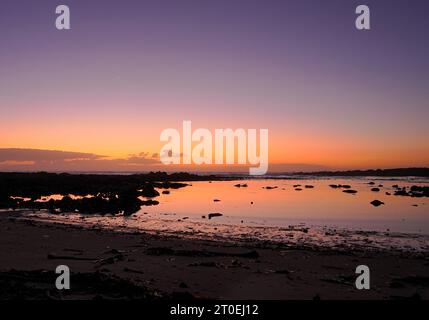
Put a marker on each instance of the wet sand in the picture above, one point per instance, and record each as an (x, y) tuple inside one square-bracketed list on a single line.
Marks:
[(108, 264)]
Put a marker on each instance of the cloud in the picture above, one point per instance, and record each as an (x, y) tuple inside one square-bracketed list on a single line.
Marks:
[(55, 160), (36, 155), (65, 161)]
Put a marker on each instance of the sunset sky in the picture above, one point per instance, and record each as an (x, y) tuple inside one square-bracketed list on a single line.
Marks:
[(330, 95)]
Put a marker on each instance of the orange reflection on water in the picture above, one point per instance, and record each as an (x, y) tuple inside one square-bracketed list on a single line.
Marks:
[(284, 205)]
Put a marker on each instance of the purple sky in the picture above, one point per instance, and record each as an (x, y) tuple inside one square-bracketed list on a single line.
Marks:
[(298, 68)]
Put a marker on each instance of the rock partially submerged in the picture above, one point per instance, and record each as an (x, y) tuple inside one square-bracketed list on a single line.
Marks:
[(270, 187), (350, 191), (413, 191), (339, 186), (377, 203), (213, 215), (243, 185)]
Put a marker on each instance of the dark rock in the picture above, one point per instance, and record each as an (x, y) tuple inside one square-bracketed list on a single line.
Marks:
[(376, 203), (213, 215), (350, 191), (238, 185), (149, 191), (270, 188)]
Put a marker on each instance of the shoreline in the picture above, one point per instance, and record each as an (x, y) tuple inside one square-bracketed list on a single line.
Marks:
[(160, 266), (295, 235)]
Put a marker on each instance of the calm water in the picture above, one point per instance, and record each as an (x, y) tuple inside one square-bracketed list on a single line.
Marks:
[(312, 216), (284, 206)]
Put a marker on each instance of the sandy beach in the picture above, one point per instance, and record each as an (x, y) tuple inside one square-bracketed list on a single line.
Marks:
[(110, 265)]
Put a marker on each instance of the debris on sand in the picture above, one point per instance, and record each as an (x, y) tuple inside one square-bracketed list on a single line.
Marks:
[(53, 256), (37, 285), (344, 280), (162, 251)]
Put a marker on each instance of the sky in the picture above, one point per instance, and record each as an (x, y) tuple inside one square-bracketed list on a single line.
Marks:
[(97, 97)]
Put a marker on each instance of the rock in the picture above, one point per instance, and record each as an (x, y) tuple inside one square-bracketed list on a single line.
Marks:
[(149, 191), (419, 191), (309, 186), (298, 189), (244, 185), (270, 188), (165, 192), (216, 214), (376, 203), (334, 186), (216, 200), (350, 191), (375, 189), (401, 193), (371, 183)]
